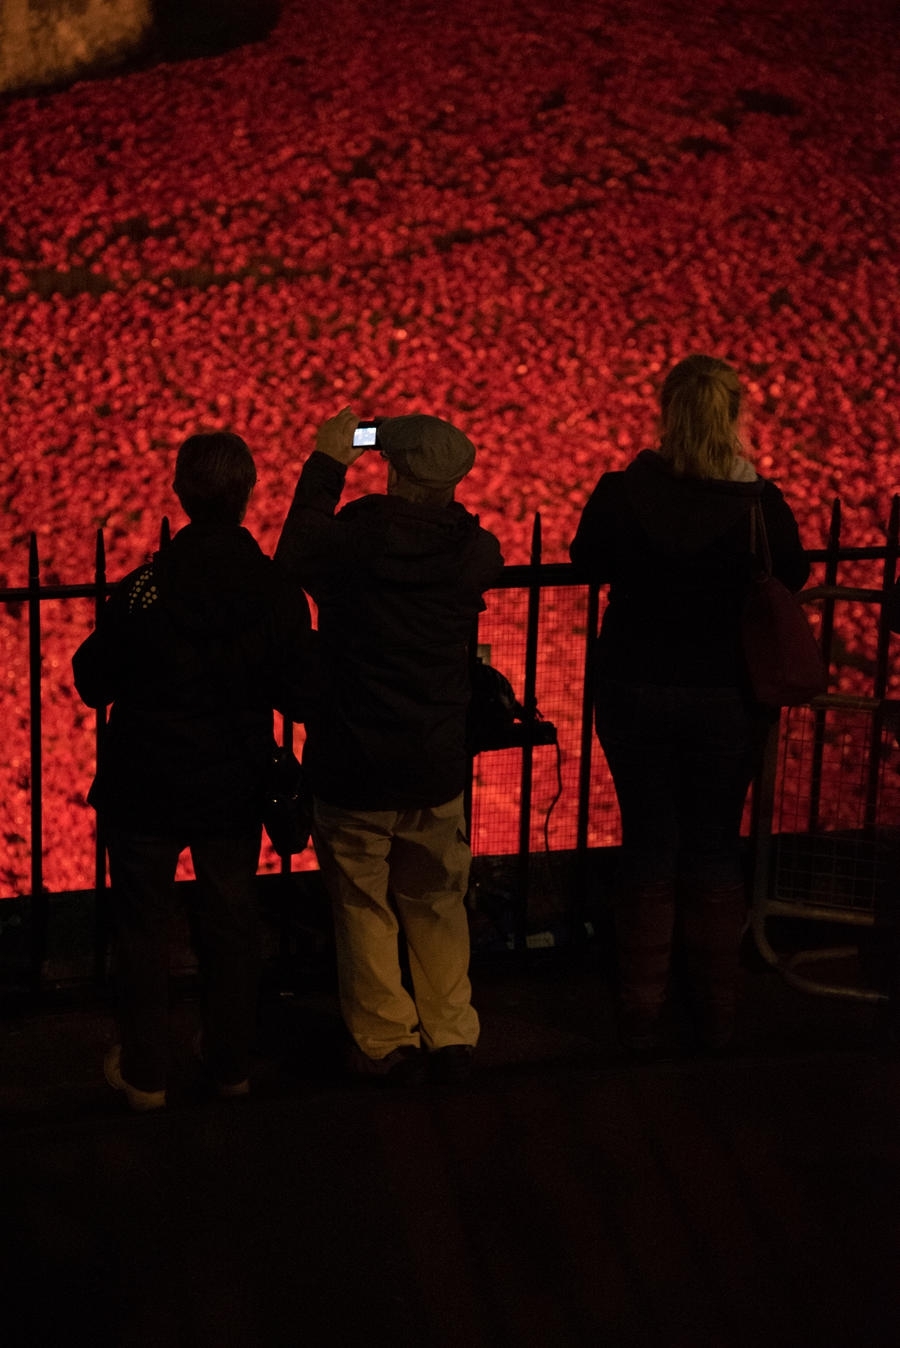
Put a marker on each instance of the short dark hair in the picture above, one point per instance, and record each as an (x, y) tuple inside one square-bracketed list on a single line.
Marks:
[(214, 476)]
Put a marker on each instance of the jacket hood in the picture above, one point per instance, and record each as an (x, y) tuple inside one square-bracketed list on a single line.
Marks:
[(684, 515)]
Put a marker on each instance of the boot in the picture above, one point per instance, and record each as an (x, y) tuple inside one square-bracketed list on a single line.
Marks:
[(713, 924), (645, 919)]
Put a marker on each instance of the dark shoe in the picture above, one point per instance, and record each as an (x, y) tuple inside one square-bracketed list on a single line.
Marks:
[(715, 1035), (232, 1090), (641, 1035), (141, 1102), (450, 1065), (403, 1066)]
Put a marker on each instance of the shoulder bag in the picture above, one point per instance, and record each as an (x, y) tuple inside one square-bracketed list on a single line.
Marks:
[(783, 659)]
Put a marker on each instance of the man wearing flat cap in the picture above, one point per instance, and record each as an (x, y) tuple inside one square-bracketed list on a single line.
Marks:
[(398, 580)]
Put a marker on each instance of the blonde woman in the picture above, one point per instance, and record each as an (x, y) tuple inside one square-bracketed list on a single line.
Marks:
[(674, 714)]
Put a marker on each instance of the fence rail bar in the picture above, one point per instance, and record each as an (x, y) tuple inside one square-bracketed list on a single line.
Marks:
[(513, 578), (102, 915)]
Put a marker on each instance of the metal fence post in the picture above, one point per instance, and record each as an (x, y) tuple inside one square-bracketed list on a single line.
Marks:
[(39, 899), (880, 680), (530, 704), (584, 766), (101, 895), (826, 639)]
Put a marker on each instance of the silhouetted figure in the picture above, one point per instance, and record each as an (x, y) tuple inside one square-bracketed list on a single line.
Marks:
[(674, 714), (398, 580), (193, 650)]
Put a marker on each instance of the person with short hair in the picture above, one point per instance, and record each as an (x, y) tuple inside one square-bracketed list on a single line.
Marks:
[(194, 649), (398, 580), (671, 535)]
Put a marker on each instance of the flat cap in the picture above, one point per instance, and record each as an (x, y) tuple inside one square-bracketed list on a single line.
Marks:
[(426, 449)]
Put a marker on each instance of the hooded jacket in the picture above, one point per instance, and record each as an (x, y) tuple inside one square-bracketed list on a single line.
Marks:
[(194, 650), (675, 552), (398, 585)]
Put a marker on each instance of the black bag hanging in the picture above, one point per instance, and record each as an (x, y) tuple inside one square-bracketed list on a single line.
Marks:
[(783, 659), (287, 803), (496, 717)]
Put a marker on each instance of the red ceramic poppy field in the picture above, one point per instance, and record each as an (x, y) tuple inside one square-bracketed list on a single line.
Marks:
[(515, 216)]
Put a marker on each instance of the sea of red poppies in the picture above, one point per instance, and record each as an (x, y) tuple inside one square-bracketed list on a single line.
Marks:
[(516, 216)]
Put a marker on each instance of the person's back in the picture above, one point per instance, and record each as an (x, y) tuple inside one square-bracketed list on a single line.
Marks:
[(191, 654), (675, 550), (673, 703), (193, 650), (398, 583), (398, 580)]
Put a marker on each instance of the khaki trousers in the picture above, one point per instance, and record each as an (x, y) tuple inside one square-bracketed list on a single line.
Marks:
[(393, 870)]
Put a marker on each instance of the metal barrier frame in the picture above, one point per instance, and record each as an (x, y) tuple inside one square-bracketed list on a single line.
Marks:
[(766, 903), (534, 577)]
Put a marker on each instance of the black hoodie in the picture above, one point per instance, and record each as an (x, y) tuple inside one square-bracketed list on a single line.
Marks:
[(398, 586), (194, 650), (676, 554)]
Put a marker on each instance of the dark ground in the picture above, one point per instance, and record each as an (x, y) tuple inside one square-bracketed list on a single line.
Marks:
[(566, 1196)]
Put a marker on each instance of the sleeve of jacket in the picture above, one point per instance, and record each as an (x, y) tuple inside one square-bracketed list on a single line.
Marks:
[(296, 689), (592, 549), (312, 543), (789, 561), (99, 665), (487, 562)]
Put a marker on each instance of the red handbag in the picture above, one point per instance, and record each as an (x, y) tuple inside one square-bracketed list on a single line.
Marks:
[(784, 663)]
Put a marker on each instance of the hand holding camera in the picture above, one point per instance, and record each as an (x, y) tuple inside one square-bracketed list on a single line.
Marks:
[(335, 437), (344, 437)]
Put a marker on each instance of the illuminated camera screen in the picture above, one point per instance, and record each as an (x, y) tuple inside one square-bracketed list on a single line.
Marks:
[(364, 436)]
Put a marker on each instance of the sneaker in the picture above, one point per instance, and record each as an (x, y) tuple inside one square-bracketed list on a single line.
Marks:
[(140, 1101), (451, 1064), (404, 1066)]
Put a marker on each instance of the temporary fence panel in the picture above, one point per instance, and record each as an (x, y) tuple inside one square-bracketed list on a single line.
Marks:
[(828, 799)]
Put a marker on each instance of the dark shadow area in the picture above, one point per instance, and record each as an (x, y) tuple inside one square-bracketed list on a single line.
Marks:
[(568, 1195), (187, 29)]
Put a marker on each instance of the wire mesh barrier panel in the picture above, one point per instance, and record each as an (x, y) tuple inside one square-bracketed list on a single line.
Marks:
[(529, 900), (837, 818), (561, 648)]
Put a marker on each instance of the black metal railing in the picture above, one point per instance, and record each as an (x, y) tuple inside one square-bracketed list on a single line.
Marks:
[(533, 579)]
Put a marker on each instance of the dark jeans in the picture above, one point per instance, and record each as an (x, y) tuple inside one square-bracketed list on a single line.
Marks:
[(224, 930), (682, 760)]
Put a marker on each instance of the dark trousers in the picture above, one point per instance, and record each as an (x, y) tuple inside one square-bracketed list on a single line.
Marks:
[(224, 931), (682, 760)]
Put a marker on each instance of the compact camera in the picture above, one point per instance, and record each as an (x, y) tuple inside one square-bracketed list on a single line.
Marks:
[(366, 433)]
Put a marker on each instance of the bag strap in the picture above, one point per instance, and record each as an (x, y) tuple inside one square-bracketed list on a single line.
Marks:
[(759, 539)]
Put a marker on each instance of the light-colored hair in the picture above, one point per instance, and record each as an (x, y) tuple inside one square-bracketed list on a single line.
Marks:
[(700, 404)]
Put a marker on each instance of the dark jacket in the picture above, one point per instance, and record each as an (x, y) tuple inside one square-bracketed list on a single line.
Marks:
[(194, 650), (676, 554), (398, 587)]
